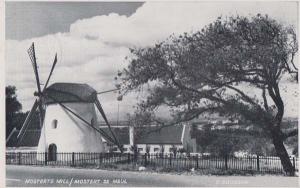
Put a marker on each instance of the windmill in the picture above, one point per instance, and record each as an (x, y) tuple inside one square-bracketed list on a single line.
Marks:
[(67, 115)]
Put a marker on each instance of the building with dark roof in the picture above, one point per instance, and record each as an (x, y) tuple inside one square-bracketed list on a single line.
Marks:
[(154, 137)]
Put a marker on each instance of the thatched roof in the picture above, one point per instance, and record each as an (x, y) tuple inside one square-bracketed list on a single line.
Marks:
[(159, 135), (70, 92), (149, 135)]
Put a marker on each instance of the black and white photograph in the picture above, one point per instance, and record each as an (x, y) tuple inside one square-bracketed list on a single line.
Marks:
[(151, 94)]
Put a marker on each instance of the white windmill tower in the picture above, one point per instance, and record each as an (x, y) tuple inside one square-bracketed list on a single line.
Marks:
[(67, 113)]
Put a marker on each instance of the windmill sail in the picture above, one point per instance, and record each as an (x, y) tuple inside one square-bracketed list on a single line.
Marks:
[(31, 53), (51, 71), (98, 105), (27, 121), (38, 104)]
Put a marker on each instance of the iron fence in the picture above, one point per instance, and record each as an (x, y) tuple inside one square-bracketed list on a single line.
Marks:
[(270, 164)]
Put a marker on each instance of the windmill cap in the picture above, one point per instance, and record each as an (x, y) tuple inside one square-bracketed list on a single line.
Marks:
[(69, 92)]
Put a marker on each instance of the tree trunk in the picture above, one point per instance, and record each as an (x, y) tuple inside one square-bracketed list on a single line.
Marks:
[(283, 155)]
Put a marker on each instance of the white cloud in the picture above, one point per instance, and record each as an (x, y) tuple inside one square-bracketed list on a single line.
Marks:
[(157, 20), (95, 48)]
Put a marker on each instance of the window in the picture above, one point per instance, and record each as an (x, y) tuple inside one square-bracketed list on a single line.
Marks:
[(156, 149), (54, 124), (140, 149)]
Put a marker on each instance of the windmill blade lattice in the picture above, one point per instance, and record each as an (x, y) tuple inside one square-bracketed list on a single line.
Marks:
[(38, 104), (31, 53)]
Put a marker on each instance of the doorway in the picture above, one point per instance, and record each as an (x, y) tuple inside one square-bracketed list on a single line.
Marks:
[(52, 150)]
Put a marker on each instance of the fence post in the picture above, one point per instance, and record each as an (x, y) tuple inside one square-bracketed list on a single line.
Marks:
[(101, 158), (257, 162), (46, 156), (197, 161), (19, 158), (73, 159), (170, 160), (294, 165), (145, 156), (226, 159), (128, 158)]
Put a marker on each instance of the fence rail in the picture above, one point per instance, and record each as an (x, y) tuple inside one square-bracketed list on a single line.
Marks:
[(177, 162)]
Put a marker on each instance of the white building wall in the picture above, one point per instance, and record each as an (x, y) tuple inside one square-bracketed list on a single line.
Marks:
[(131, 135), (71, 134), (154, 147), (187, 140)]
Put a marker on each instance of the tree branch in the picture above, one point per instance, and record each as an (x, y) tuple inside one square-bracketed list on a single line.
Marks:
[(181, 120), (291, 133), (275, 95), (247, 98), (266, 106)]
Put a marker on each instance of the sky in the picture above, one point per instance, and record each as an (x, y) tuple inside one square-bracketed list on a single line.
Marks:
[(93, 39)]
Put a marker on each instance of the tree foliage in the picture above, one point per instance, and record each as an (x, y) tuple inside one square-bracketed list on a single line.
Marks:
[(14, 116), (13, 107), (207, 71), (228, 141)]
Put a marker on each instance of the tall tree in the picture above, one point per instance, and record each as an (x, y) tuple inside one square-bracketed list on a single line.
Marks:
[(13, 107), (207, 72)]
